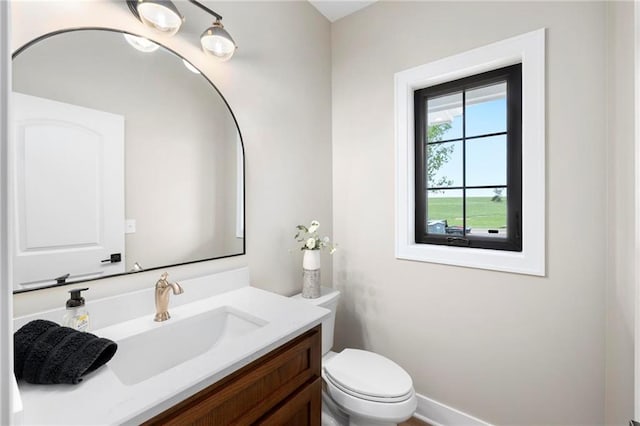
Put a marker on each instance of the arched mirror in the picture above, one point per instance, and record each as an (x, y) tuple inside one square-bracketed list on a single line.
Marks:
[(125, 158)]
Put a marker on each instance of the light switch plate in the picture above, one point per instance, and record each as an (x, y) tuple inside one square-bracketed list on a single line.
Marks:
[(130, 226)]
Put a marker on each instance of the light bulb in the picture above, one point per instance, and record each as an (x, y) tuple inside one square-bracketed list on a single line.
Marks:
[(218, 42), (161, 15)]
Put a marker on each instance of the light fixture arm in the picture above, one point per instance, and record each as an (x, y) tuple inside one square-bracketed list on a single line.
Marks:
[(131, 4), (132, 7), (206, 9)]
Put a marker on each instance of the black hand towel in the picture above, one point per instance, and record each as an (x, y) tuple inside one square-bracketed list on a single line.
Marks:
[(46, 353)]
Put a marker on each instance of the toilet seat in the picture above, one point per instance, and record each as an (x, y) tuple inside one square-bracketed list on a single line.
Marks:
[(368, 376), (366, 397)]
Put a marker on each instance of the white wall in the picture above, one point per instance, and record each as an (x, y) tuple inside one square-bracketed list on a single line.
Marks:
[(278, 86), (620, 201), (509, 349)]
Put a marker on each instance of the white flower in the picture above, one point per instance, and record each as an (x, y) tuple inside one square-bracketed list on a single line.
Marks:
[(311, 243), (314, 226), (309, 237)]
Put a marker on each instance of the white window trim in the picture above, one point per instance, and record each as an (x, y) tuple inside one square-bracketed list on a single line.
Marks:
[(529, 49)]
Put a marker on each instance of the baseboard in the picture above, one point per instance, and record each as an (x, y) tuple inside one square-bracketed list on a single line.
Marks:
[(437, 414)]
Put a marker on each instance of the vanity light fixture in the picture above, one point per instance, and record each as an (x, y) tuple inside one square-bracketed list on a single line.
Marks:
[(218, 42), (140, 43), (164, 16)]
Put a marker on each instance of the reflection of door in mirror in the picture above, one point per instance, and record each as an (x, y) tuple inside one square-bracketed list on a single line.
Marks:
[(73, 231)]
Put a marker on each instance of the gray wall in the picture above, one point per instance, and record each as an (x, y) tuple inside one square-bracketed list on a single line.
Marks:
[(279, 87), (620, 296), (507, 348)]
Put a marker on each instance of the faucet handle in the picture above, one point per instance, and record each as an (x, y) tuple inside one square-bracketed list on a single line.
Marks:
[(162, 281)]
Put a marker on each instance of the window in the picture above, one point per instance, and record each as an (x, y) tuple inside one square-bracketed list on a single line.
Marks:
[(468, 135), (463, 244)]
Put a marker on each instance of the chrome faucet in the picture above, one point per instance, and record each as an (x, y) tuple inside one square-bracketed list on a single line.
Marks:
[(162, 297)]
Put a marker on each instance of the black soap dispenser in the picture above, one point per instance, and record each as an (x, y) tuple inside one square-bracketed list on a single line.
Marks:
[(76, 316)]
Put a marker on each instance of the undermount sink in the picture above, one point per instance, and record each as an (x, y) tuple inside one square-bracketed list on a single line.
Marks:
[(170, 343)]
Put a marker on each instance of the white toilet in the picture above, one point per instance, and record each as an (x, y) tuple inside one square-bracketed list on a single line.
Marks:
[(361, 388)]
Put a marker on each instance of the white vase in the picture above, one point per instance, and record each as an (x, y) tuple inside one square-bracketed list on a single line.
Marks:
[(311, 274)]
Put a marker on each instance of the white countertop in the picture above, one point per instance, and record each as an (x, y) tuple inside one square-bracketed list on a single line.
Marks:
[(103, 399)]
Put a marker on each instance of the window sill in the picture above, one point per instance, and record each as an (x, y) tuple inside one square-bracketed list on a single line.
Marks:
[(495, 260)]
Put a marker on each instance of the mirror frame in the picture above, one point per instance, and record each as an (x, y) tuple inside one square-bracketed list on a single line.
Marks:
[(21, 49)]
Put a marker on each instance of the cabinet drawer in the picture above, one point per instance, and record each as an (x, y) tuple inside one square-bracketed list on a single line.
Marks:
[(245, 396), (304, 408)]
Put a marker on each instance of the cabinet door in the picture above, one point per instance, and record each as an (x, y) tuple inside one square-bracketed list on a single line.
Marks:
[(301, 409)]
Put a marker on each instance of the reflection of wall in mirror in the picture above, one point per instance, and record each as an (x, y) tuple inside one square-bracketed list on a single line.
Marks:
[(180, 183)]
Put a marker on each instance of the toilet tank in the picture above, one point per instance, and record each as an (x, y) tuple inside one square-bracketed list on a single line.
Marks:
[(328, 299)]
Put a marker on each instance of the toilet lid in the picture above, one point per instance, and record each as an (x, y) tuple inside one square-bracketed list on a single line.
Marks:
[(368, 374)]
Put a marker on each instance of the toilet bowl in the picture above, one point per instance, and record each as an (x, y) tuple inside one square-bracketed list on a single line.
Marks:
[(360, 388)]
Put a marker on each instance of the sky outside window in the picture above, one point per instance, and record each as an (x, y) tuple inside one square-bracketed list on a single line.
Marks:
[(486, 157)]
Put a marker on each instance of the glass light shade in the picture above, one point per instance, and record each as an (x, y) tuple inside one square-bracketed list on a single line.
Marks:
[(218, 42), (140, 43), (160, 14)]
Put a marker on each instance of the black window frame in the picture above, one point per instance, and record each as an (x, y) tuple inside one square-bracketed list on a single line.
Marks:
[(512, 75)]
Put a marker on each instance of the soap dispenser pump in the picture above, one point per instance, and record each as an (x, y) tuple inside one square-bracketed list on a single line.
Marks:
[(77, 316)]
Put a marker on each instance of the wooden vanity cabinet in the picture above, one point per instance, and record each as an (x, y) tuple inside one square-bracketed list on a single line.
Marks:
[(282, 387)]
